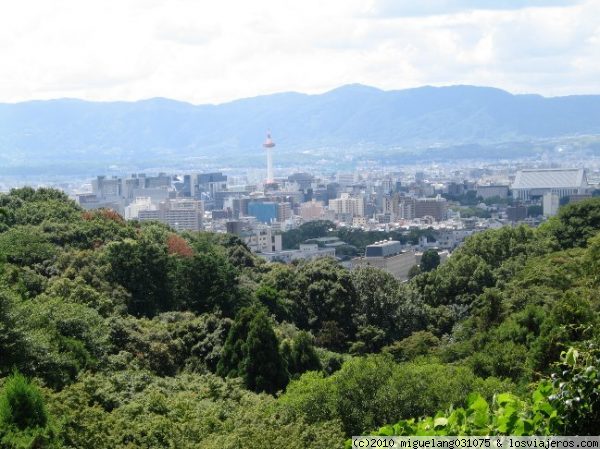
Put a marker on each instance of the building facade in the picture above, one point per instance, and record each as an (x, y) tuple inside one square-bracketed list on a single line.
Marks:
[(388, 256)]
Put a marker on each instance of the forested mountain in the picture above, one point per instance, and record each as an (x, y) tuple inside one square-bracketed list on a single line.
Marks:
[(118, 132), (119, 334)]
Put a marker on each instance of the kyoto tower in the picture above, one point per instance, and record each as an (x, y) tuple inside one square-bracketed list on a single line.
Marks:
[(268, 145)]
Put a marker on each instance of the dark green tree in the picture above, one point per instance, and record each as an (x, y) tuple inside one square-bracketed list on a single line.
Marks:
[(21, 404), (303, 356), (575, 223), (430, 260), (273, 301), (205, 282), (263, 367), (12, 340), (234, 353), (311, 230), (325, 293), (26, 245), (142, 268), (419, 343)]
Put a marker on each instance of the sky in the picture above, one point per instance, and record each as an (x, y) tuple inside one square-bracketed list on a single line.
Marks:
[(215, 51)]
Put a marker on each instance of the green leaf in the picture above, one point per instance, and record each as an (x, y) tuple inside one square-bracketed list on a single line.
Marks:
[(386, 431), (503, 399), (440, 422)]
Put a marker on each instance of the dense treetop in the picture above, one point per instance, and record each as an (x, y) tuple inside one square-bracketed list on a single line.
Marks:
[(122, 334)]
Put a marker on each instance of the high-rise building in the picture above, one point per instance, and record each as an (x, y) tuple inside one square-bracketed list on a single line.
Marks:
[(433, 207), (312, 210), (304, 180), (140, 204), (105, 187), (398, 206), (180, 214), (264, 211), (284, 211), (347, 205), (160, 181), (346, 179), (211, 183)]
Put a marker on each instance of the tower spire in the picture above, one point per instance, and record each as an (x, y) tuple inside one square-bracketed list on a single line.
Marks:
[(268, 146)]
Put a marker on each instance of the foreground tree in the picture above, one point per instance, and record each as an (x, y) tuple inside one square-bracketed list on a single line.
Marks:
[(300, 354), (21, 404), (231, 363), (24, 421), (263, 366)]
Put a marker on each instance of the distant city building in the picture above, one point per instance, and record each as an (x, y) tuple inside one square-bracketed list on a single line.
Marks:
[(235, 227), (550, 204), (90, 201), (304, 180), (346, 179), (104, 187), (220, 214), (399, 207), (451, 238), (388, 256), (347, 205), (153, 182), (456, 188), (284, 211), (156, 194), (264, 211), (492, 191), (431, 207), (307, 251), (262, 240), (312, 210), (516, 213), (387, 185), (140, 204), (359, 222), (180, 214), (210, 183), (530, 184)]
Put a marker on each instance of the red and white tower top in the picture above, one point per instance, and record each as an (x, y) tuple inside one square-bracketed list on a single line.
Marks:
[(269, 142)]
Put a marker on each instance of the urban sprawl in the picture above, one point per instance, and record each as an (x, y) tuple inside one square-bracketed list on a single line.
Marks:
[(449, 205)]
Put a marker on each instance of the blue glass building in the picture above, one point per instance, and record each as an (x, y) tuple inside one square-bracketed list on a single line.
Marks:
[(265, 212)]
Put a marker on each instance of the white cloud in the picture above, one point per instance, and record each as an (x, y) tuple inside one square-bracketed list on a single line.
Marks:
[(218, 51), (440, 7)]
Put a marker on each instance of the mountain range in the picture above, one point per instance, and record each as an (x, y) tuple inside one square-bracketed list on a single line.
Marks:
[(77, 131)]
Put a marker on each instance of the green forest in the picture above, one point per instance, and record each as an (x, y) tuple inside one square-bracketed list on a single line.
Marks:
[(119, 334)]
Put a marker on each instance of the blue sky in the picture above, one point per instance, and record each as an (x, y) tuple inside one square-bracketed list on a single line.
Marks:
[(211, 52)]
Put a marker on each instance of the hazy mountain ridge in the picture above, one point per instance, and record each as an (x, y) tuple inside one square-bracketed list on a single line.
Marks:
[(348, 115)]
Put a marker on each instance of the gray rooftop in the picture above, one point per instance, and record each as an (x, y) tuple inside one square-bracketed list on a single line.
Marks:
[(550, 178), (384, 248)]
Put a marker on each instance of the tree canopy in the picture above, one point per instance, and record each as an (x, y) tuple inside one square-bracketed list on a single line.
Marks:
[(126, 334)]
